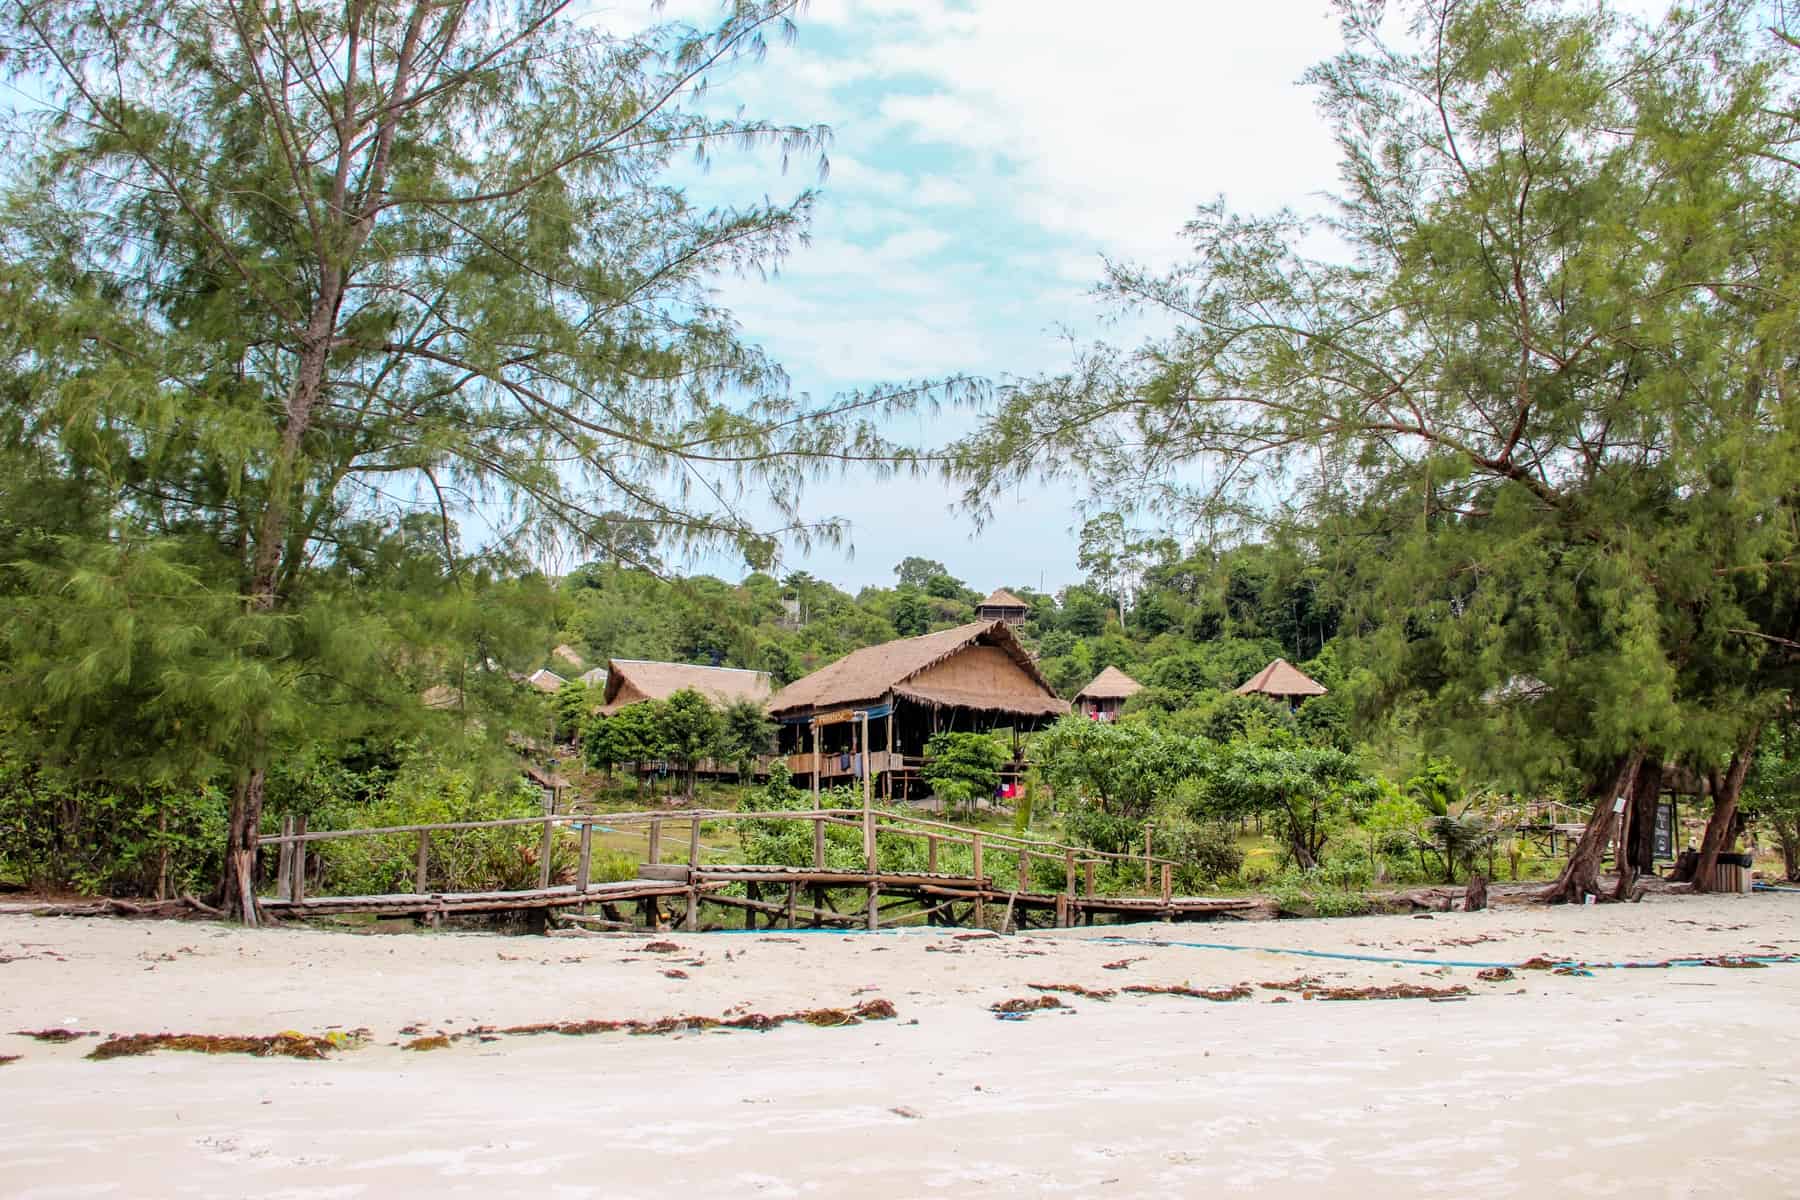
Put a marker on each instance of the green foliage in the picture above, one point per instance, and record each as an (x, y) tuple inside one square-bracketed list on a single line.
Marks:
[(59, 835), (636, 733), (963, 768), (1306, 794), (1523, 385), (575, 702), (430, 791), (1121, 770), (745, 732), (1771, 795)]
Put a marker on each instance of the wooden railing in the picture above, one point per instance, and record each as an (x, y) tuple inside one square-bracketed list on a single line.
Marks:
[(294, 839)]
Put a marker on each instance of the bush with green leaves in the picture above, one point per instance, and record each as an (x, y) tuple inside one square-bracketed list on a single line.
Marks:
[(1305, 794), (429, 792), (963, 768)]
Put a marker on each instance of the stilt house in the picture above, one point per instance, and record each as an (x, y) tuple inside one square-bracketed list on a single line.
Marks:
[(1002, 605), (1102, 699), (872, 712), (1284, 680)]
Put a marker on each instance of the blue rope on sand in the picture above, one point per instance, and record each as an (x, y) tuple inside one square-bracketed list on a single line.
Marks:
[(1569, 965)]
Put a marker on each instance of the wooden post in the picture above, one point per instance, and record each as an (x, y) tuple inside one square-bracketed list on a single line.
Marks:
[(693, 844), (284, 862), (544, 848), (818, 825), (1149, 832), (298, 892), (655, 840), (1062, 911), (1088, 867), (869, 857), (874, 906), (793, 902), (868, 765), (980, 888), (818, 760), (421, 862), (931, 842), (1068, 872), (587, 858), (1168, 883), (1024, 869)]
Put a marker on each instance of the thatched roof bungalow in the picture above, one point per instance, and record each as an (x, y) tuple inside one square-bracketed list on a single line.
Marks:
[(632, 681), (1102, 699), (545, 680), (896, 695), (1002, 605), (1283, 680)]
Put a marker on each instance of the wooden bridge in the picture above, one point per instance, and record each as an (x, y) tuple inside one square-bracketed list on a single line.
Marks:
[(771, 894)]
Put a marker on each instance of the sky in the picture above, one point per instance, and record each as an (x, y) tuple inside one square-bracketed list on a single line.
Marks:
[(985, 155)]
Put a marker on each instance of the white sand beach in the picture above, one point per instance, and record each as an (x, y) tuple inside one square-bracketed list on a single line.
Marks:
[(1652, 1082)]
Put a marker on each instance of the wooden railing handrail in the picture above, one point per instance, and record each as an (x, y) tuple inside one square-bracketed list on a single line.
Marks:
[(836, 816)]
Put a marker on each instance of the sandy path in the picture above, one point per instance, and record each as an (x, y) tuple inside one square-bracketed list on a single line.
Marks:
[(1649, 1082)]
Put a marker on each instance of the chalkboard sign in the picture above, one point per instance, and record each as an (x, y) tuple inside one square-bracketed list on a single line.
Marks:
[(1665, 829)]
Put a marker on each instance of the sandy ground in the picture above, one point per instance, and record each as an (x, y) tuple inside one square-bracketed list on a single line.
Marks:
[(1672, 1082)]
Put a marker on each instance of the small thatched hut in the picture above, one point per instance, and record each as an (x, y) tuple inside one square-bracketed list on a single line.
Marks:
[(1102, 699), (545, 680), (896, 695), (632, 681), (1281, 679), (1002, 605)]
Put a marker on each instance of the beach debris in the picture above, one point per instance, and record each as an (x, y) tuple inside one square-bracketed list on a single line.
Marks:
[(1299, 984), (287, 1044), (8, 1058), (56, 1036), (1495, 974), (982, 936), (1538, 962), (1726, 960), (675, 973), (1238, 992), (661, 948), (1022, 1006), (436, 1041), (1122, 963), (911, 1114), (1571, 969), (1075, 989), (1313, 989), (795, 941), (824, 1018)]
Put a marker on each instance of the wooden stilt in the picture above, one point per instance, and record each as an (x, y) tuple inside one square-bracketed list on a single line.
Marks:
[(980, 903), (931, 845), (874, 905), (1024, 870), (1068, 872), (654, 854), (284, 861), (819, 842), (421, 877), (793, 903), (544, 847), (297, 892)]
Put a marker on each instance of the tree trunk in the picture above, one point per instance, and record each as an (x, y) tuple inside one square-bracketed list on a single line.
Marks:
[(1725, 801), (1637, 829), (238, 898), (1581, 877)]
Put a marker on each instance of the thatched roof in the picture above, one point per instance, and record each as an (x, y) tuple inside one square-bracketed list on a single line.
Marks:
[(631, 681), (866, 676), (569, 655), (1110, 684), (545, 680), (1280, 678), (1001, 598)]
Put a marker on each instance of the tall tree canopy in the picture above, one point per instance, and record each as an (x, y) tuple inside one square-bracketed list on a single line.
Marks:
[(1529, 379), (273, 273)]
